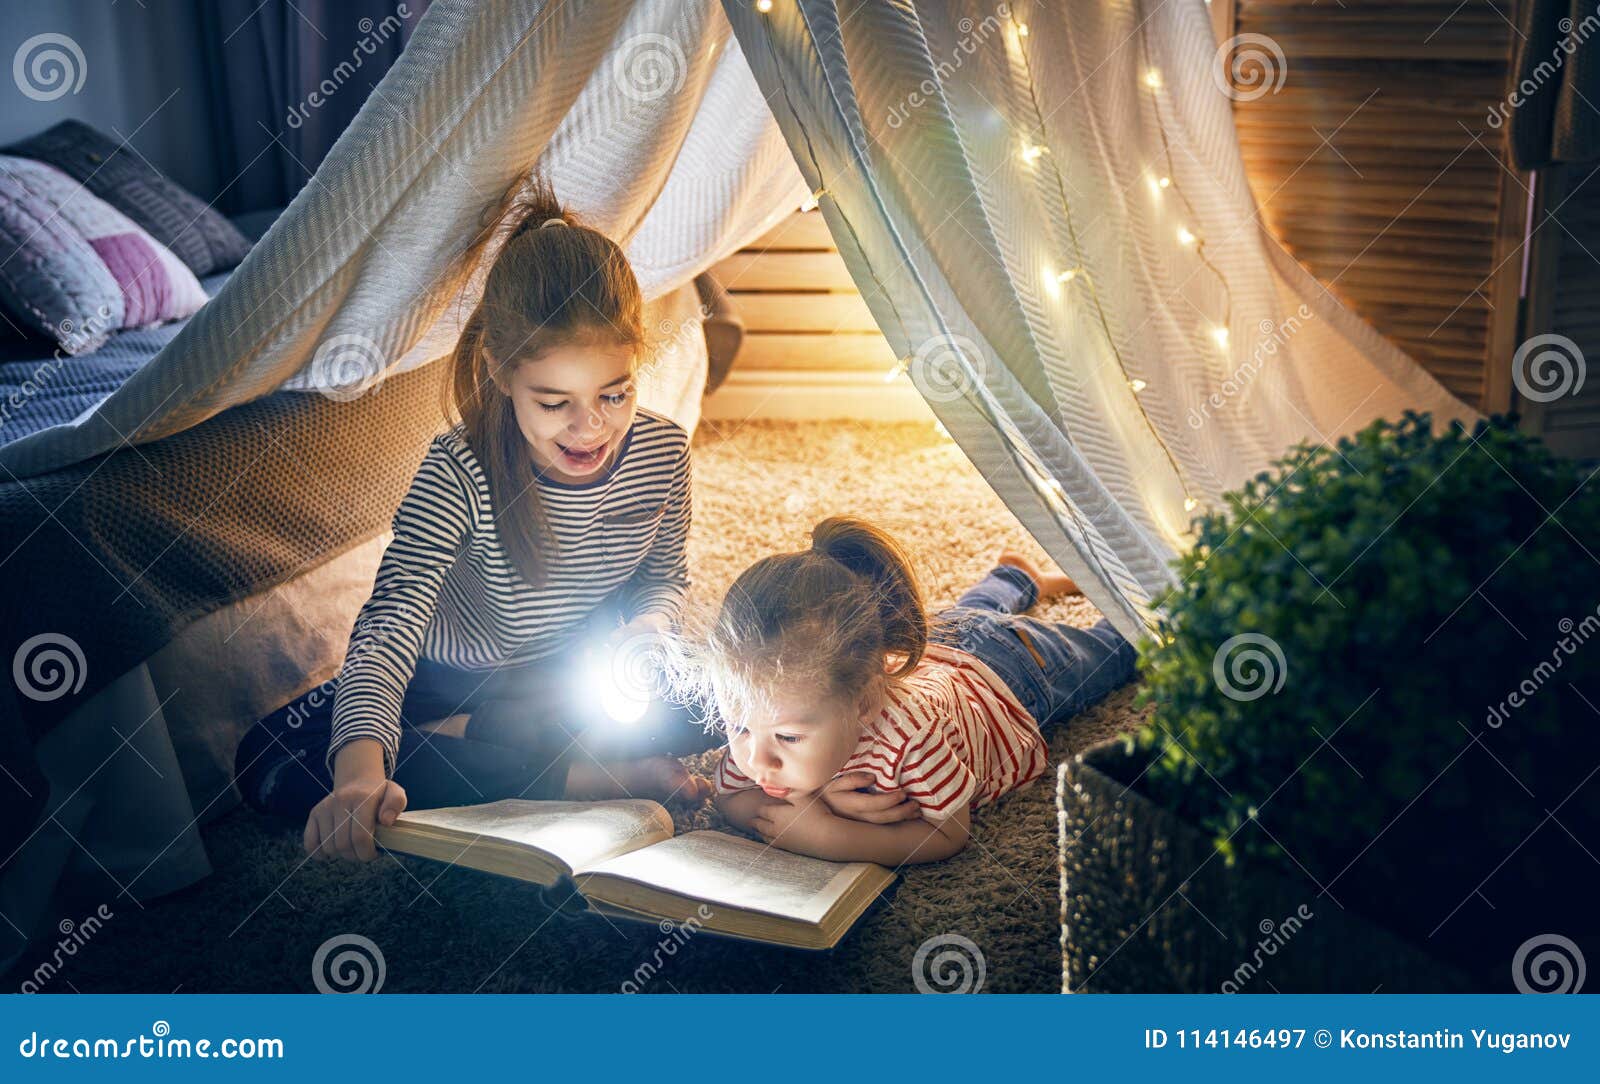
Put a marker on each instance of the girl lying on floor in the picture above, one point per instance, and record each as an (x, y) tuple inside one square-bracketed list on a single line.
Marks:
[(554, 514), (857, 732)]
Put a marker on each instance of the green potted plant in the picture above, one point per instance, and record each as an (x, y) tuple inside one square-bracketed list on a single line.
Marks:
[(1373, 754)]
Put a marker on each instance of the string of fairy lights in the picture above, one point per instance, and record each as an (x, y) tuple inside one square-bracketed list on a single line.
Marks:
[(1161, 182), (1078, 275)]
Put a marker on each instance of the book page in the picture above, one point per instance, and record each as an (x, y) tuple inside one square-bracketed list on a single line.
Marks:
[(738, 872), (576, 833)]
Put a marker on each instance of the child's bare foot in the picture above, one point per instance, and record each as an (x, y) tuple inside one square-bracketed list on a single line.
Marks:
[(661, 778), (1050, 584)]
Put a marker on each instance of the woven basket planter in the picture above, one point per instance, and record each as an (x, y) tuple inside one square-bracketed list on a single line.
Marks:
[(1148, 906)]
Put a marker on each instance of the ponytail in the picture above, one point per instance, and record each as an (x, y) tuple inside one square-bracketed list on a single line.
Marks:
[(873, 553), (832, 619)]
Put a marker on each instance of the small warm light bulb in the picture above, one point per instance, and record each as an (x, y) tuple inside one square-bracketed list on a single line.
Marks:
[(1022, 29), (1067, 275), (1137, 385), (1031, 152), (1220, 334), (1154, 183), (1185, 237), (1152, 78), (1165, 182), (763, 6), (1190, 504), (810, 202)]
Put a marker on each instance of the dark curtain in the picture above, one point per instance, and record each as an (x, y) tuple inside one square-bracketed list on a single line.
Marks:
[(284, 80), (1552, 104)]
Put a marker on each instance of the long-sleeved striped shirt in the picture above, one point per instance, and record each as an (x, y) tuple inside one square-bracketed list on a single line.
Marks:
[(446, 590)]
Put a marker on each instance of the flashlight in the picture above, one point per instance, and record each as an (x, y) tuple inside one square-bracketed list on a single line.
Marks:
[(624, 677)]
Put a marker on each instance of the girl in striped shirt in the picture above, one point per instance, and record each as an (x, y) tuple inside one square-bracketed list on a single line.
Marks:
[(552, 517), (857, 732)]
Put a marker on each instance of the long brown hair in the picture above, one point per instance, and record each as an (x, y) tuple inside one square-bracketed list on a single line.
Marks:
[(554, 281), (837, 616)]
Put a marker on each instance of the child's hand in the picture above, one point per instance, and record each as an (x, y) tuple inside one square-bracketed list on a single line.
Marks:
[(651, 624), (848, 797), (805, 826), (343, 825)]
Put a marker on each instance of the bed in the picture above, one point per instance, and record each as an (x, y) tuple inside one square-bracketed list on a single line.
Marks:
[(162, 597), (204, 579)]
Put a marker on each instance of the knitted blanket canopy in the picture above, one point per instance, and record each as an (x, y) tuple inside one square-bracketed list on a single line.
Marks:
[(1043, 205)]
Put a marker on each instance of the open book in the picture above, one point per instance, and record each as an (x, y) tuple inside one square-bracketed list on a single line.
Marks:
[(626, 862)]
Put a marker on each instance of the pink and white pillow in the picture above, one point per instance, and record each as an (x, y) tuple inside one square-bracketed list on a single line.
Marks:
[(75, 269)]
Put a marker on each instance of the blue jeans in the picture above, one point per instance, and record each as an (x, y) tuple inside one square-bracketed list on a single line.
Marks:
[(1055, 670)]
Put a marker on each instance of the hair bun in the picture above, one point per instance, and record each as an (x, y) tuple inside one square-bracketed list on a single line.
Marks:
[(547, 223)]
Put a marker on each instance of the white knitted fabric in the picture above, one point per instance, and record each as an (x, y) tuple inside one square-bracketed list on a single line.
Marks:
[(969, 166), (1098, 407), (645, 118)]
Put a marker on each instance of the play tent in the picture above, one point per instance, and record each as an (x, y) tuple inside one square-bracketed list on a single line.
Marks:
[(1043, 205)]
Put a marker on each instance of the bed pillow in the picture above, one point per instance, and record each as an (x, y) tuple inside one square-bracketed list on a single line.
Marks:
[(199, 236), (75, 269)]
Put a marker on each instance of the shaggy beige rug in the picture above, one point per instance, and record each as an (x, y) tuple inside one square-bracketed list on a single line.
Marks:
[(258, 921)]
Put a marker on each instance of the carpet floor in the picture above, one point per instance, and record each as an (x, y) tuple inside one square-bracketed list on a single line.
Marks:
[(256, 924)]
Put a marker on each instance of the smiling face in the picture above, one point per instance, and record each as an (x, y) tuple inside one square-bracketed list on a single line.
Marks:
[(797, 743), (574, 403)]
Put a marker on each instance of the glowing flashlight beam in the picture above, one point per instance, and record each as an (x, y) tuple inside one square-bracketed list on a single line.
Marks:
[(622, 697)]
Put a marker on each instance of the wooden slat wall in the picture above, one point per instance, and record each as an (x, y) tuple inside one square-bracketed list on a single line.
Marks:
[(1564, 298), (801, 310), (1400, 212)]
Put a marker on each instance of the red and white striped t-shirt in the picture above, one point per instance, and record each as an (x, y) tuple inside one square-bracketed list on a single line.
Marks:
[(951, 733)]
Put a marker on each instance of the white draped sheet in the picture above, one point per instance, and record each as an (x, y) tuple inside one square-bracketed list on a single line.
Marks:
[(644, 116), (655, 123), (913, 119)]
